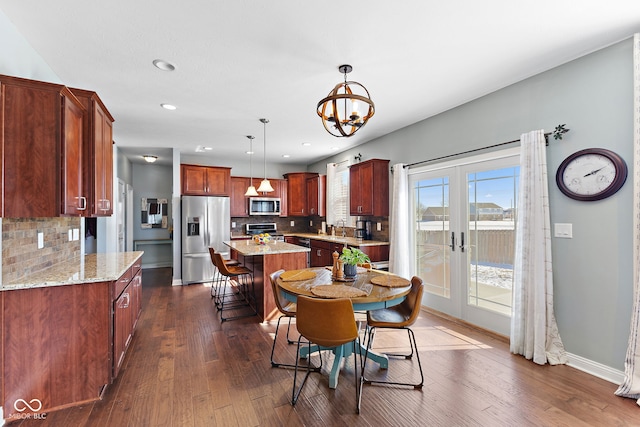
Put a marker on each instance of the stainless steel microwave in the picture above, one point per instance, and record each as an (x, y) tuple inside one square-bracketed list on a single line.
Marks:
[(264, 206)]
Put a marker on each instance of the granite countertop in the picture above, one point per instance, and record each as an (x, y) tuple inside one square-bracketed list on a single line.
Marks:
[(250, 248), (351, 241), (93, 268)]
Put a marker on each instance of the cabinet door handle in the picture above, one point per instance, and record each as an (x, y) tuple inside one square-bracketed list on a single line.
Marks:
[(83, 203)]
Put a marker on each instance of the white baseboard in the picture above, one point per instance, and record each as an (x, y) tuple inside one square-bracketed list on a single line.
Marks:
[(596, 369), (176, 282)]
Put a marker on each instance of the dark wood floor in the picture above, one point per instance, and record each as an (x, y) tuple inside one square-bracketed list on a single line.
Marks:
[(185, 368)]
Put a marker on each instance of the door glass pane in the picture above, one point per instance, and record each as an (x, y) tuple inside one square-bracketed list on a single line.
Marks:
[(491, 237), (432, 234)]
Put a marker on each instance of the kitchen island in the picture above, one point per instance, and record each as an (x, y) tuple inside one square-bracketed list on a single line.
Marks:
[(263, 260), (65, 331)]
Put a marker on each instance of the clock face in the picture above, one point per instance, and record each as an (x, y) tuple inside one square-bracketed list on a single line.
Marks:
[(591, 174)]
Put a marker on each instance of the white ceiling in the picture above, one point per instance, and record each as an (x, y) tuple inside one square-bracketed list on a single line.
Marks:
[(238, 61)]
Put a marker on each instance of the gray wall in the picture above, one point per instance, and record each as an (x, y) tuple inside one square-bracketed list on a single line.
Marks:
[(593, 96)]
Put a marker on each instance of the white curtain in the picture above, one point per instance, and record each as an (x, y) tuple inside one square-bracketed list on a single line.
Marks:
[(399, 250), (331, 176), (534, 332), (631, 384)]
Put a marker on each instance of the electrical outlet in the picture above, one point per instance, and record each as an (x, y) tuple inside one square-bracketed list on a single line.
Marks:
[(70, 235), (311, 223), (76, 234), (233, 224), (40, 240), (293, 223), (379, 226)]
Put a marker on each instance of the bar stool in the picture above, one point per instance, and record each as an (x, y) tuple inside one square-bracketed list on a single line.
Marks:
[(401, 316), (217, 277), (244, 297)]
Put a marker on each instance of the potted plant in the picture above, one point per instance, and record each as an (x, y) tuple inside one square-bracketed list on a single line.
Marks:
[(351, 257)]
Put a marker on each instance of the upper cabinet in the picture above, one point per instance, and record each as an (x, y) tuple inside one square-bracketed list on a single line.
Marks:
[(369, 188), (239, 204), (297, 203), (316, 195), (98, 154), (205, 180), (41, 129)]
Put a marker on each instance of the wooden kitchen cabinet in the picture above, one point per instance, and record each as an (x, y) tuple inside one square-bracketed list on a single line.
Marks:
[(322, 252), (127, 306), (63, 344), (239, 203), (369, 188), (98, 154), (41, 130), (297, 193), (205, 180), (316, 195)]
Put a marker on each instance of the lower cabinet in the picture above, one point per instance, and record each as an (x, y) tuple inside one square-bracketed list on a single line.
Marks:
[(322, 252), (126, 311), (62, 345)]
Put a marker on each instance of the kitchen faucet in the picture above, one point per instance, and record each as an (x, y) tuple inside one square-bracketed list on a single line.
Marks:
[(344, 233)]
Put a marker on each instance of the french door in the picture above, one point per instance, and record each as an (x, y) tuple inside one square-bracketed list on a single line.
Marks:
[(464, 220)]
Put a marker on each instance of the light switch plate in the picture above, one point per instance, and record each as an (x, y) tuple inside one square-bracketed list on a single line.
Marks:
[(233, 224), (379, 226), (40, 240), (564, 231), (293, 223), (70, 235), (76, 234)]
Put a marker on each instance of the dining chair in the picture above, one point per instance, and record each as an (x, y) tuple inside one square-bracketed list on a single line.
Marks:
[(328, 323), (287, 309), (245, 289), (401, 316)]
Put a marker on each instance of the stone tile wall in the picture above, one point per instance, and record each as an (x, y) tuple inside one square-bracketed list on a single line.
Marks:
[(20, 253)]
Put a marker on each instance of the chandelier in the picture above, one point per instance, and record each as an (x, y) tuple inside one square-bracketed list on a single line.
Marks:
[(347, 108)]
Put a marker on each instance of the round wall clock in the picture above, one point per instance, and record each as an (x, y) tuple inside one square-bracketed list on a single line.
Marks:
[(591, 174)]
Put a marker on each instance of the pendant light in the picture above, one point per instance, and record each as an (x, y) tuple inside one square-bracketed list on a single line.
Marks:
[(265, 185), (251, 191)]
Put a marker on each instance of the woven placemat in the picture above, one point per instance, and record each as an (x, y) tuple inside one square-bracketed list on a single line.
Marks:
[(389, 281), (296, 275), (337, 291)]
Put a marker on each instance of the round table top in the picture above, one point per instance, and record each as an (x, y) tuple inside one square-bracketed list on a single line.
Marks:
[(375, 293)]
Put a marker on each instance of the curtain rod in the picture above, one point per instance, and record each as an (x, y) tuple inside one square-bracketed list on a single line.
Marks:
[(557, 134)]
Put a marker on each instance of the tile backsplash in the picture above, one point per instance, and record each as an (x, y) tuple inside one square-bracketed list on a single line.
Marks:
[(20, 253)]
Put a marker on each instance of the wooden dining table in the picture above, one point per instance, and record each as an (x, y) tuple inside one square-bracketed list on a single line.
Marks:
[(376, 297)]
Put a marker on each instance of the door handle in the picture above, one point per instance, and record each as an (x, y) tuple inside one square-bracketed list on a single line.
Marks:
[(453, 242), (462, 242)]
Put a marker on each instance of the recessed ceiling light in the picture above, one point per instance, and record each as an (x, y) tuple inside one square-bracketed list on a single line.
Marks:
[(208, 148), (286, 156), (168, 106), (334, 148), (248, 152), (149, 158), (306, 144), (163, 65)]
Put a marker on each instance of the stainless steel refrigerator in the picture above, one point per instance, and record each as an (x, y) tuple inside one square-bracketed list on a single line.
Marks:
[(206, 222)]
